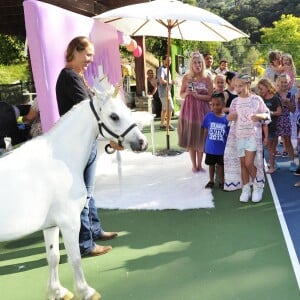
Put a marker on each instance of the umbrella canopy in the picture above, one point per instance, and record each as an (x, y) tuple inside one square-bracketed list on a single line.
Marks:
[(171, 18)]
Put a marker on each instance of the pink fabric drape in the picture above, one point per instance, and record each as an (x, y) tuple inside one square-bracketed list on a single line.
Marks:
[(49, 29)]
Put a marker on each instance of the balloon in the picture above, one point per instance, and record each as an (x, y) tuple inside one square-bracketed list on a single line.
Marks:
[(132, 45), (138, 51)]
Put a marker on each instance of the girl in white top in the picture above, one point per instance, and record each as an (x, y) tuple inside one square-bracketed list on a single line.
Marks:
[(247, 111)]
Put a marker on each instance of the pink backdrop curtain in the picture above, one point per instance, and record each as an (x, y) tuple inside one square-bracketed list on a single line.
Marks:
[(49, 29)]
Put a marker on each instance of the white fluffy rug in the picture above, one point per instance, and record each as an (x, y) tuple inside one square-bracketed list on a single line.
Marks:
[(146, 181)]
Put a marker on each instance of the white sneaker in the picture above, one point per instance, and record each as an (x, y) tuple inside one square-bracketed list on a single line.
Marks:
[(246, 193), (257, 193)]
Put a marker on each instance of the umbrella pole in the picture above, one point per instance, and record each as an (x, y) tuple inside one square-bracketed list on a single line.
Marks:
[(168, 88), (168, 151)]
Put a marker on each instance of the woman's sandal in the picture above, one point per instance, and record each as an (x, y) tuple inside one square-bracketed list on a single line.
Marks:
[(209, 185)]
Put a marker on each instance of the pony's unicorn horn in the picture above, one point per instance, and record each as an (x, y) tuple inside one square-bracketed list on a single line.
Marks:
[(117, 88)]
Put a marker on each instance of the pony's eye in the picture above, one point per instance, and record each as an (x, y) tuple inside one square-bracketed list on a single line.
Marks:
[(114, 117)]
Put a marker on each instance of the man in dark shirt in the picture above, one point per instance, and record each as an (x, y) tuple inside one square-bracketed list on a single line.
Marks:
[(9, 126)]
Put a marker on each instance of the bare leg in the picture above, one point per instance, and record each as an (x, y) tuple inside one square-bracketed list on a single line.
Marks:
[(288, 147), (271, 149), (221, 174), (193, 159), (163, 117), (249, 163), (244, 171), (199, 160), (212, 173)]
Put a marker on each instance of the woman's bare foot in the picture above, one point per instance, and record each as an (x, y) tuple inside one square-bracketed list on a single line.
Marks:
[(195, 169), (271, 170)]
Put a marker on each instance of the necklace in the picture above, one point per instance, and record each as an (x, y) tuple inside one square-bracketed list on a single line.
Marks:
[(90, 90)]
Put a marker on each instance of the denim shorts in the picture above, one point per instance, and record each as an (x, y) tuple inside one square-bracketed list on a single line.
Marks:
[(246, 144), (163, 99)]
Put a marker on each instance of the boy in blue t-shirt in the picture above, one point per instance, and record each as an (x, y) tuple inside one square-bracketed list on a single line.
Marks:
[(216, 129)]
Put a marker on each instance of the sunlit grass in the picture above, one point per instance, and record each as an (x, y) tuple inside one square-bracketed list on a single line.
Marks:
[(13, 73)]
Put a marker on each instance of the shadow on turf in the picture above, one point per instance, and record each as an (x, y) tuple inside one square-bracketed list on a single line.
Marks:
[(22, 248)]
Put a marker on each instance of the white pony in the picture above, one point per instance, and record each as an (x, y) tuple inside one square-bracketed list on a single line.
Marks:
[(42, 186)]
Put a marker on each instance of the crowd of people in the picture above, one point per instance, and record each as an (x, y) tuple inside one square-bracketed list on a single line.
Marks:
[(238, 124)]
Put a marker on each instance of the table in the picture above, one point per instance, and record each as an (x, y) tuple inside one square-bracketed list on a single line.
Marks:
[(30, 95)]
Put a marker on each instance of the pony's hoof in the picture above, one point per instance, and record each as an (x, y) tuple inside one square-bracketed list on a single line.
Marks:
[(68, 296), (96, 296)]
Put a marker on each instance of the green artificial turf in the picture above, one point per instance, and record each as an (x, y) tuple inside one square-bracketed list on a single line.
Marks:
[(231, 252), (234, 251)]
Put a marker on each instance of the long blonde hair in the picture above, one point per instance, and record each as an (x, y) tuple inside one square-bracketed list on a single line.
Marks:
[(290, 58), (196, 55)]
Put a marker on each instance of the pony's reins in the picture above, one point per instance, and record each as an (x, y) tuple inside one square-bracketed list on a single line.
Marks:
[(101, 125)]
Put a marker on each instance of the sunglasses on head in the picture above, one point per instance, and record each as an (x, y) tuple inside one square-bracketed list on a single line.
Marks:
[(245, 77), (195, 54)]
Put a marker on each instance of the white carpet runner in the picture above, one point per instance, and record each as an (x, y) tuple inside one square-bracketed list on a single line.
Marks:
[(150, 182)]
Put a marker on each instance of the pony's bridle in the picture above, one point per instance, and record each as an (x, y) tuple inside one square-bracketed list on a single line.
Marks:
[(102, 126)]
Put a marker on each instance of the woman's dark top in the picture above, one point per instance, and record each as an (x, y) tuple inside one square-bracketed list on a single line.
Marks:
[(70, 90), (150, 89), (156, 103), (231, 96)]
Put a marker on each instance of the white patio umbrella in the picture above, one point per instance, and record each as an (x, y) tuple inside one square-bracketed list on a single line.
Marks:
[(171, 19)]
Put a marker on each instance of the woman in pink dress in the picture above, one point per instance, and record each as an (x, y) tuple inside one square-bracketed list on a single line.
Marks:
[(196, 90)]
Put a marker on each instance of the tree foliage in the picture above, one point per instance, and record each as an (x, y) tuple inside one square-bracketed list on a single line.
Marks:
[(11, 50), (285, 35), (250, 15)]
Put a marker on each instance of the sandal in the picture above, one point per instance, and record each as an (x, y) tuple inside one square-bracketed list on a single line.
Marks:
[(277, 153), (209, 185), (221, 185)]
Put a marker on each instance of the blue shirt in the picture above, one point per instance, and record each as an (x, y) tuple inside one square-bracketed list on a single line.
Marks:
[(217, 131)]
